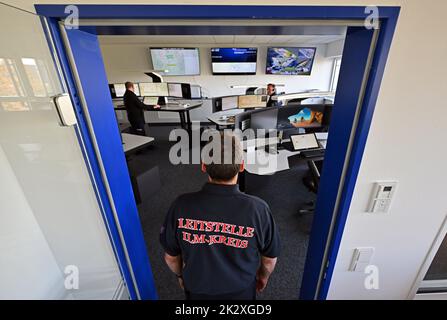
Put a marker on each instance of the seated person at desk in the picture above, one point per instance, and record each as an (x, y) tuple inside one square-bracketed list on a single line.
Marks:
[(271, 91), (135, 109), (221, 243)]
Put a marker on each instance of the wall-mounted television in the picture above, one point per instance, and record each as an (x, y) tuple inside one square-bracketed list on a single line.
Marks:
[(177, 61), (290, 60), (233, 61)]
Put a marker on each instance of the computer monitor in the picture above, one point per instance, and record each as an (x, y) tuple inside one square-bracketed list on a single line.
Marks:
[(154, 89), (252, 101), (119, 89), (229, 102), (136, 89), (196, 92), (266, 119), (175, 90), (242, 120), (305, 141), (150, 100), (300, 116)]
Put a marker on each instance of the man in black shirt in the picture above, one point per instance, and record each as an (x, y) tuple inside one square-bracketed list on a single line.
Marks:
[(271, 91), (221, 243), (135, 109)]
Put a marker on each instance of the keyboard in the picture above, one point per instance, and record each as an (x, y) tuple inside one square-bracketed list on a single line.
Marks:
[(312, 153)]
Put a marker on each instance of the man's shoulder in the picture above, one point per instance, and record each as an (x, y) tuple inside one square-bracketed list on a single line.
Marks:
[(256, 201), (186, 197)]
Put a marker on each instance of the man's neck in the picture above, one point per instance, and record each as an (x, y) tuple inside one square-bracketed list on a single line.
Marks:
[(231, 182)]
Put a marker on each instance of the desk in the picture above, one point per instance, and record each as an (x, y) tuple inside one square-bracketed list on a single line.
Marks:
[(183, 111), (216, 117), (133, 142), (259, 162)]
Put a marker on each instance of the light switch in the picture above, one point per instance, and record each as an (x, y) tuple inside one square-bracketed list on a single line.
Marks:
[(361, 259)]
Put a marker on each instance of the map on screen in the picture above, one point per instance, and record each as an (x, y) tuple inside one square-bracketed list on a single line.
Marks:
[(176, 61)]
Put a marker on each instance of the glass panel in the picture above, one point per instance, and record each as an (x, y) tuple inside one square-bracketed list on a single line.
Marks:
[(438, 268), (50, 221)]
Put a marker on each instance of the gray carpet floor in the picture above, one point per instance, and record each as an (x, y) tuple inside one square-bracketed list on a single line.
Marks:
[(284, 192)]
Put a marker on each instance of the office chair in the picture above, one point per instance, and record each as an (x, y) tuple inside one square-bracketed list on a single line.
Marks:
[(250, 90), (311, 181)]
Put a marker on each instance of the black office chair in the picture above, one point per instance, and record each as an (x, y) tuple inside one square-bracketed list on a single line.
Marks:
[(312, 182), (250, 90)]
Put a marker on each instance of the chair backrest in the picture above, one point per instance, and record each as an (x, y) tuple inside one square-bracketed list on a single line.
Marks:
[(250, 90), (315, 172)]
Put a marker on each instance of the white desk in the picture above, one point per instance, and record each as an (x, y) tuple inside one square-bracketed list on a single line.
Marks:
[(259, 162), (216, 117), (262, 163), (131, 142)]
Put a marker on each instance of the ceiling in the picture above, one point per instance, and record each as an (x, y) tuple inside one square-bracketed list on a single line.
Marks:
[(221, 39)]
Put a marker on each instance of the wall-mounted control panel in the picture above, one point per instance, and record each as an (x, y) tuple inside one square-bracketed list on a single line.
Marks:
[(382, 195)]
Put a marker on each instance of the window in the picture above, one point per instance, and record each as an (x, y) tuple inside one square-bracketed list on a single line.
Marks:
[(34, 77), (335, 74), (9, 83)]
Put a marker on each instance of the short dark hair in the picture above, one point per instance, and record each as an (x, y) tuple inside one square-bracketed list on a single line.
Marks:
[(128, 84), (271, 84), (224, 171)]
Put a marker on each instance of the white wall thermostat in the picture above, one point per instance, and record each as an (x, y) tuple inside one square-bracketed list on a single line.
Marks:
[(382, 195)]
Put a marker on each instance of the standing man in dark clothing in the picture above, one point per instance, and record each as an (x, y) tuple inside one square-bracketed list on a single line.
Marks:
[(221, 243), (135, 109), (271, 91)]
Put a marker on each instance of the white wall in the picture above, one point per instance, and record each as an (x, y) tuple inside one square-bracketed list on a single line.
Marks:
[(396, 149), (397, 142), (127, 62)]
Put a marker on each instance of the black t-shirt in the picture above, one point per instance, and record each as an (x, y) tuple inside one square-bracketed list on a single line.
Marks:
[(220, 233)]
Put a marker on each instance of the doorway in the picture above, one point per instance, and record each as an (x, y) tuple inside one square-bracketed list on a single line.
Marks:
[(365, 50)]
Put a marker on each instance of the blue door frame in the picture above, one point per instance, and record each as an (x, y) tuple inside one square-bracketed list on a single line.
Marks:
[(349, 92)]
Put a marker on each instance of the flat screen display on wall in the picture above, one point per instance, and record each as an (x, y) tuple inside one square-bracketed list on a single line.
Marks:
[(176, 61), (290, 60), (227, 61)]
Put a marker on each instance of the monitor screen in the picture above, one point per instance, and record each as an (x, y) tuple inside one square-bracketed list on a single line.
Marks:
[(152, 101), (196, 92), (265, 119), (154, 89), (290, 61), (233, 60), (252, 101), (136, 89), (301, 116), (119, 89), (176, 61), (229, 102), (175, 90), (304, 141)]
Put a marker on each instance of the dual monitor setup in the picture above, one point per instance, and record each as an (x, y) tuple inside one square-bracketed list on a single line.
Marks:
[(155, 90), (240, 102), (233, 61), (285, 123), (286, 119)]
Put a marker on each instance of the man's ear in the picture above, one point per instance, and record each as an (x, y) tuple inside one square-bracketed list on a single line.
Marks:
[(203, 168), (242, 166)]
